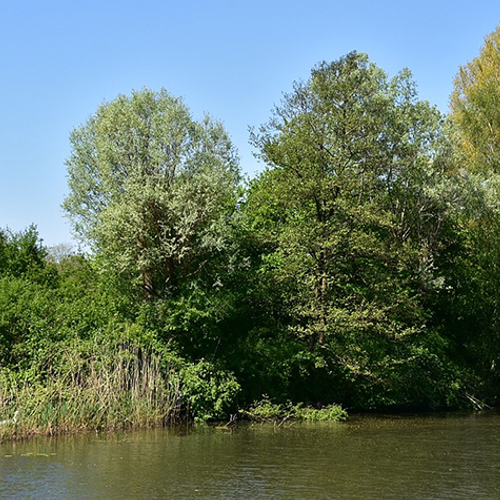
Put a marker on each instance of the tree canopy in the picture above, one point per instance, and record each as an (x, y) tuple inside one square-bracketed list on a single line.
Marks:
[(356, 204), (475, 107), (150, 186)]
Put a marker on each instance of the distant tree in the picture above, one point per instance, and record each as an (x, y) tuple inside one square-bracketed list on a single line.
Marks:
[(21, 253), (57, 254), (150, 188), (475, 107)]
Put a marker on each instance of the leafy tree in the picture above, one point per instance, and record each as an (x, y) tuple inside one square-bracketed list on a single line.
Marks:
[(472, 314), (475, 107), (23, 254), (355, 207), (150, 189)]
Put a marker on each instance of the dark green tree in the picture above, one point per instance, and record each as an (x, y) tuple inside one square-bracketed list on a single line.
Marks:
[(22, 253), (355, 206)]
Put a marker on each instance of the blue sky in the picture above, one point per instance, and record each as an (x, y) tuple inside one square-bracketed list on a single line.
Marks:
[(60, 59)]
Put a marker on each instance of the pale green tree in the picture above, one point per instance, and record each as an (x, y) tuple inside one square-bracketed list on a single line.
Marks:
[(353, 180), (475, 113), (475, 107), (150, 188)]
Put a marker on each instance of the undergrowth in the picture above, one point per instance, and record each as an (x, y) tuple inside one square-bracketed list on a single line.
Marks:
[(266, 410)]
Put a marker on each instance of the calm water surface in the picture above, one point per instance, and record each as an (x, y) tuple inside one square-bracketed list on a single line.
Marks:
[(381, 457)]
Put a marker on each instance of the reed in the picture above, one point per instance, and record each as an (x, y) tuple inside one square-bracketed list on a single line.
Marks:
[(91, 385)]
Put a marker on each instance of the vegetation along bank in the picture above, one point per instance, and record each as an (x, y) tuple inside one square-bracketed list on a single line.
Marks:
[(360, 269)]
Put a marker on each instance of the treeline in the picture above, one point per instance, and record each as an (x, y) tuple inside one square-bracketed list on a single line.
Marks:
[(360, 268)]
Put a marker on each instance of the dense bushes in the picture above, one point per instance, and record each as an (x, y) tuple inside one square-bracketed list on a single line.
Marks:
[(72, 358)]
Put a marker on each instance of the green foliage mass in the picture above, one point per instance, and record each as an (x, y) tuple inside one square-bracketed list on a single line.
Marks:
[(150, 190), (359, 270), (75, 354), (475, 110), (473, 307), (355, 209), (267, 411)]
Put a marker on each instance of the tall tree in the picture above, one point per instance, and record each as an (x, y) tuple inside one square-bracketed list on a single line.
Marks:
[(475, 107), (354, 205), (150, 188), (475, 113)]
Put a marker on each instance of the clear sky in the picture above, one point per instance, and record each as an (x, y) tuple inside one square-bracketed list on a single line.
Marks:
[(60, 59)]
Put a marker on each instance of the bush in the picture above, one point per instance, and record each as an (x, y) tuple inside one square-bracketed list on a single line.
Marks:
[(267, 411), (207, 392)]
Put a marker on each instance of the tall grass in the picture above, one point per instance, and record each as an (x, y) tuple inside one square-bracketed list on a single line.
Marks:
[(95, 384)]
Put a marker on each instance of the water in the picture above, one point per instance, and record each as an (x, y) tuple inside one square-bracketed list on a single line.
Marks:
[(370, 457)]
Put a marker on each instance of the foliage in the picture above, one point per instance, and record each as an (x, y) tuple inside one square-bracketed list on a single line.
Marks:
[(73, 356), (473, 307), (22, 254), (150, 189), (333, 413), (356, 208), (102, 383), (207, 392), (266, 410), (475, 110)]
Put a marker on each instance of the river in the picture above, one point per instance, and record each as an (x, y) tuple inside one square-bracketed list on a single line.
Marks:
[(449, 456)]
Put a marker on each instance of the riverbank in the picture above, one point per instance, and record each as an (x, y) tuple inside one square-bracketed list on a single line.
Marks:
[(80, 350), (89, 386), (118, 383), (69, 419)]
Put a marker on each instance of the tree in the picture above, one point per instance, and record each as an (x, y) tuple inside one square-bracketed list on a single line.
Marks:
[(475, 107), (475, 114), (23, 254), (150, 188), (354, 207)]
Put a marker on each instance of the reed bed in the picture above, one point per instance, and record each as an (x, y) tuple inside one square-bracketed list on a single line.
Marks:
[(90, 385)]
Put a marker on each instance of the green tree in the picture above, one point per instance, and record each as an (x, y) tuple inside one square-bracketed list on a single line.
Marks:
[(150, 188), (22, 254), (475, 107), (472, 315), (354, 208)]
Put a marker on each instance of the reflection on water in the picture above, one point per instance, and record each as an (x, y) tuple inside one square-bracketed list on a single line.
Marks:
[(370, 457)]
